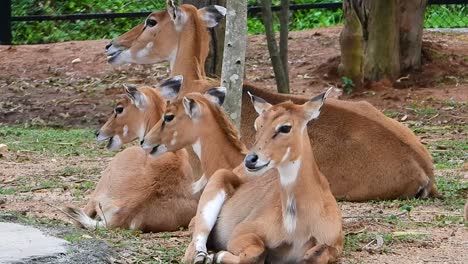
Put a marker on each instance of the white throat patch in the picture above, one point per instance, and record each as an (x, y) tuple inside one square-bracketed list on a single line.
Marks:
[(288, 172)]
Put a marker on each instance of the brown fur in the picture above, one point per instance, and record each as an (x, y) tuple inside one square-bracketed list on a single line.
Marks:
[(137, 191), (250, 223), (364, 154)]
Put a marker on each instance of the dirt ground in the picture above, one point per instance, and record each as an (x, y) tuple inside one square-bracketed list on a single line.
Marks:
[(70, 85)]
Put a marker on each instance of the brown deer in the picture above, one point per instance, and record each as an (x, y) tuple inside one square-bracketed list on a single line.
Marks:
[(285, 217), (378, 157), (136, 190)]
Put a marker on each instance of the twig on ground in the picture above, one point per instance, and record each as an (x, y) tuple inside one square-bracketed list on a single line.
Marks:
[(103, 215)]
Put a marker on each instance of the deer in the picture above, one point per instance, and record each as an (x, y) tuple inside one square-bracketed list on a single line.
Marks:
[(379, 158), (274, 204), (138, 191)]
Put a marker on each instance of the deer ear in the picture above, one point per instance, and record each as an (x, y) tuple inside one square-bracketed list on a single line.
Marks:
[(137, 98), (170, 87), (313, 106), (192, 109), (216, 95), (259, 104), (212, 14), (176, 14)]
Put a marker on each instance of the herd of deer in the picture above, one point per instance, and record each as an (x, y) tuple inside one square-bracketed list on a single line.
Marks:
[(275, 203)]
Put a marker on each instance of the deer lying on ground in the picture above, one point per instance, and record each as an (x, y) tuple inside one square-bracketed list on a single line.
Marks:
[(138, 191), (285, 217), (378, 157)]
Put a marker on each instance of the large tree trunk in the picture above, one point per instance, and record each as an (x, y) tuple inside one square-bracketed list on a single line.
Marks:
[(381, 38), (278, 68), (382, 49), (234, 57), (214, 62), (411, 29), (352, 46)]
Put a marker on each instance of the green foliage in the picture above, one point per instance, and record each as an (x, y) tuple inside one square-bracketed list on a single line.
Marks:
[(446, 16), (348, 84), (57, 31)]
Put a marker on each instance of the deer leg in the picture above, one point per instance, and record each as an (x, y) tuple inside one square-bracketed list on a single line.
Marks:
[(220, 186), (321, 254), (247, 248)]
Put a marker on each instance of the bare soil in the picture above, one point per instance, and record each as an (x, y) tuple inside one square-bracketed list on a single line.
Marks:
[(41, 85)]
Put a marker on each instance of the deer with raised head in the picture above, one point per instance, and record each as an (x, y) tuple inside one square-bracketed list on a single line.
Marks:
[(136, 190), (379, 158), (285, 217)]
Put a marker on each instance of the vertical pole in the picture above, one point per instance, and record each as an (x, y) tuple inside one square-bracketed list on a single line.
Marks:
[(5, 22), (234, 57)]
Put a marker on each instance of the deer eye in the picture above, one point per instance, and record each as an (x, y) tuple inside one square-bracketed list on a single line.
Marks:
[(151, 22), (168, 118), (284, 129), (118, 110)]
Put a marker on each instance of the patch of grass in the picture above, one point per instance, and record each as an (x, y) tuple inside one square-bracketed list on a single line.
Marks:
[(51, 141), (353, 242), (73, 236), (391, 113), (423, 111), (448, 154), (82, 187), (7, 191)]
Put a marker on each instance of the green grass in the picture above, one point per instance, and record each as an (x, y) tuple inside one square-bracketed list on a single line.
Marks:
[(449, 154), (52, 142)]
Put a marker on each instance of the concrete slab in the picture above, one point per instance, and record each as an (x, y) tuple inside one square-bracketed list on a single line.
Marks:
[(19, 242)]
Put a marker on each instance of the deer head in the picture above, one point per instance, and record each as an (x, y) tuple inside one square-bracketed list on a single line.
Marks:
[(280, 132), (183, 122), (157, 38), (135, 112)]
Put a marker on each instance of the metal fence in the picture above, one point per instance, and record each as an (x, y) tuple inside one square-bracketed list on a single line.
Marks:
[(439, 14)]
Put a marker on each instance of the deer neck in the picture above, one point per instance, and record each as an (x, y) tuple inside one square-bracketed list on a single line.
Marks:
[(152, 115), (189, 57), (216, 151), (301, 186)]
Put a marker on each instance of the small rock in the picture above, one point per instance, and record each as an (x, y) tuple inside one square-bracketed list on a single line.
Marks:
[(3, 150), (75, 61)]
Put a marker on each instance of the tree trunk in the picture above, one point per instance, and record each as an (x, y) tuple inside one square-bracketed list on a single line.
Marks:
[(391, 38), (351, 41), (214, 62), (382, 51), (234, 57), (280, 75), (284, 34), (411, 29)]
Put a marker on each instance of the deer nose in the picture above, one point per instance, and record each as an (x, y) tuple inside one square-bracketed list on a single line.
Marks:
[(251, 160), (96, 133), (108, 45), (142, 142)]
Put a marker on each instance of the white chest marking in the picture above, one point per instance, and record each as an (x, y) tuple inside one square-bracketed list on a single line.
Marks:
[(290, 214)]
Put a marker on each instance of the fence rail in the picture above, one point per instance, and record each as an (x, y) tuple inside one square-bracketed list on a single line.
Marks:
[(6, 19)]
